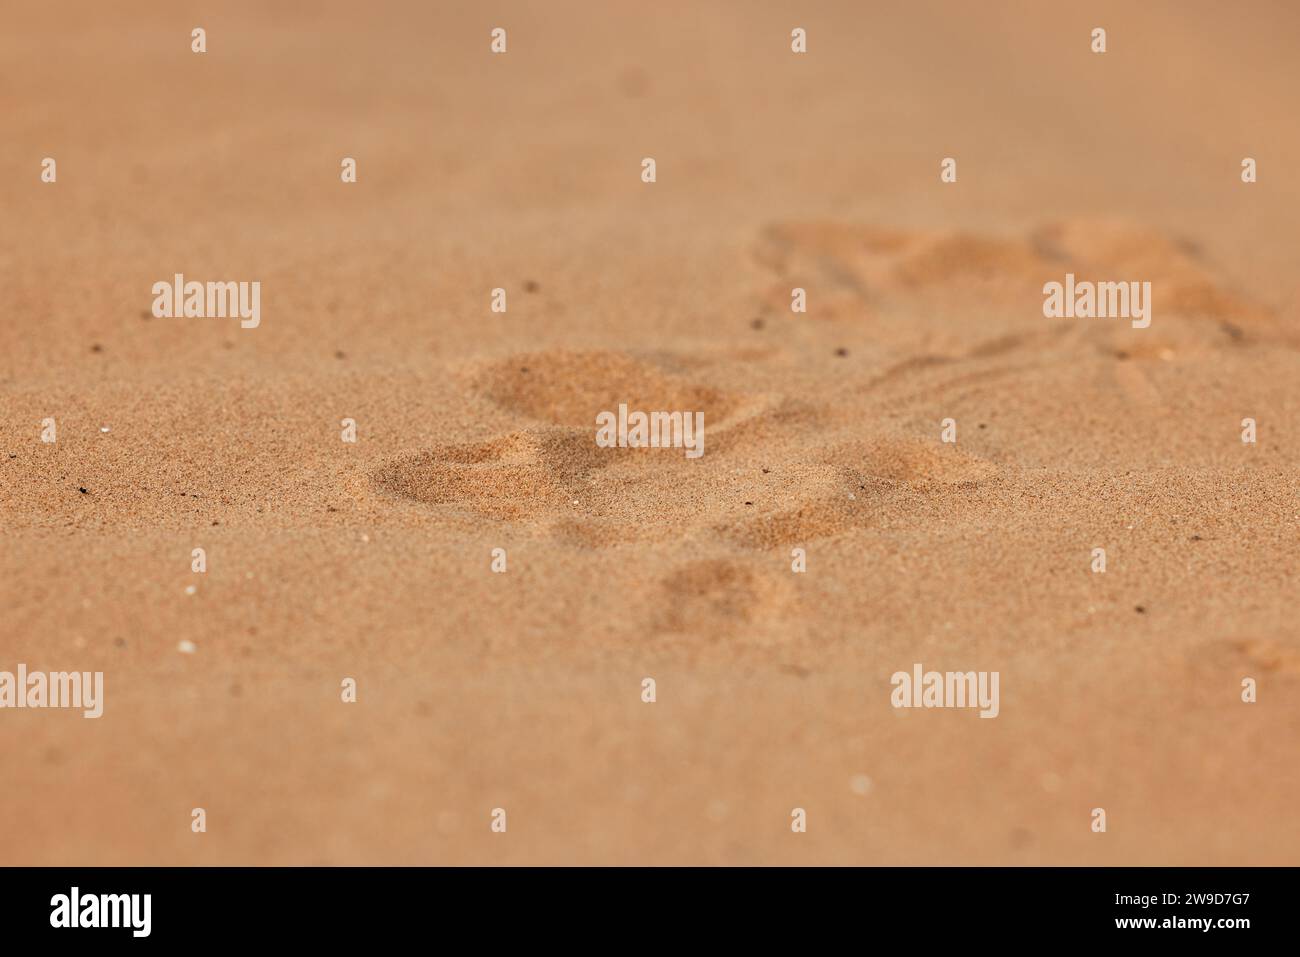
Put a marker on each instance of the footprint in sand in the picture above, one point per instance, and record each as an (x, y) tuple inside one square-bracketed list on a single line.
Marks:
[(851, 484), (569, 388), (551, 476), (550, 473), (517, 476), (1270, 657), (868, 273), (713, 599)]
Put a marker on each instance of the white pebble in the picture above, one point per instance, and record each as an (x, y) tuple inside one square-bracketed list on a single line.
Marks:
[(190, 589), (186, 647)]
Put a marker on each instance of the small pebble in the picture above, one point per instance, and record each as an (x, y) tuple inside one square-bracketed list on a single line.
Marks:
[(190, 589), (186, 647)]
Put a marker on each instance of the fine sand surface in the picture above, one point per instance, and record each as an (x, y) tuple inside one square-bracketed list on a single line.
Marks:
[(522, 690)]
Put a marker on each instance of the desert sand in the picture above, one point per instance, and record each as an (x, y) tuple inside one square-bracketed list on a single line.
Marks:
[(372, 560)]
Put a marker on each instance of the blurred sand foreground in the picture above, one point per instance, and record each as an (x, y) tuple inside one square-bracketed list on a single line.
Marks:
[(522, 690)]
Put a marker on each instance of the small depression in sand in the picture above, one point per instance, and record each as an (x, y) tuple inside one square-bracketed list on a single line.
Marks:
[(570, 388), (556, 473), (712, 599), (557, 479), (511, 477), (860, 270), (912, 461), (850, 486)]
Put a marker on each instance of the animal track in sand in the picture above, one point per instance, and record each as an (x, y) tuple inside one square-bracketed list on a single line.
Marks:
[(555, 475), (710, 599), (1259, 658), (862, 272), (512, 477), (569, 388), (849, 485), (555, 478), (1269, 656)]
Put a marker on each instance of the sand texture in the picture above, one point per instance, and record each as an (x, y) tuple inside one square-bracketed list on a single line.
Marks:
[(372, 560)]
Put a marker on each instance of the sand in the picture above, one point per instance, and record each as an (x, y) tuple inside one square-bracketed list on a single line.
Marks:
[(522, 690)]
